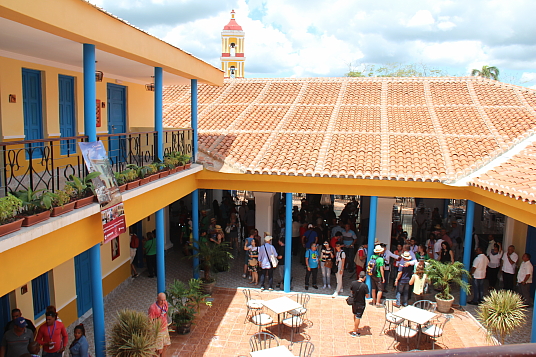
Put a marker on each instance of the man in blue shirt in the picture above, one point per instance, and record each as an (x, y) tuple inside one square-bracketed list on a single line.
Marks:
[(349, 239), (311, 261)]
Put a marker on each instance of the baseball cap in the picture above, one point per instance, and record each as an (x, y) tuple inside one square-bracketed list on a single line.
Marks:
[(20, 322), (310, 226)]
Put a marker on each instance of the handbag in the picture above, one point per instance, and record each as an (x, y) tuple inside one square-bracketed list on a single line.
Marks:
[(328, 263), (228, 229), (253, 262), (273, 259), (350, 299)]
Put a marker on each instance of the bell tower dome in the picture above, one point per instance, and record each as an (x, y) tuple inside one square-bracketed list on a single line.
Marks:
[(232, 49)]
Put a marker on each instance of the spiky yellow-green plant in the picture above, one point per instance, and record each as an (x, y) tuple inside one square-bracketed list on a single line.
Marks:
[(133, 335), (501, 313)]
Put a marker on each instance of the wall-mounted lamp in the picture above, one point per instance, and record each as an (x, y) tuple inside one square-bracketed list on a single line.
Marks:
[(98, 76), (149, 87)]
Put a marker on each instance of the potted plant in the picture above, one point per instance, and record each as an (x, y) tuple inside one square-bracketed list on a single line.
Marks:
[(36, 205), (172, 163), (501, 313), (184, 303), (83, 188), (63, 201), (133, 334), (444, 274), (187, 161), (212, 258), (131, 178), (10, 207), (121, 180)]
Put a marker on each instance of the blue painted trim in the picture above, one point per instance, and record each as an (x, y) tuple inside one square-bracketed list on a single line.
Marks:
[(194, 118), (97, 300), (195, 230), (372, 231), (158, 126), (160, 252), (288, 241), (90, 93), (469, 218)]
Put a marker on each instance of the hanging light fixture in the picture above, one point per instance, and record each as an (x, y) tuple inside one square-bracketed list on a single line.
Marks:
[(149, 87), (325, 200), (98, 76)]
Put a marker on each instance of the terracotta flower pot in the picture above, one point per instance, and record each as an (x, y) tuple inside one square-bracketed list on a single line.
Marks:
[(123, 188), (154, 177), (83, 202), (58, 211), (180, 168), (35, 218), (133, 184), (444, 305), (163, 174), (187, 166), (173, 170), (10, 227), (145, 180)]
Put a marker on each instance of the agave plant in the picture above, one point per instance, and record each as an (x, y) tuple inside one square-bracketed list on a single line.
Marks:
[(443, 274), (501, 313), (133, 335)]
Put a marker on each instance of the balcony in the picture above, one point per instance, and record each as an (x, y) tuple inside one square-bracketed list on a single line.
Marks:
[(48, 163)]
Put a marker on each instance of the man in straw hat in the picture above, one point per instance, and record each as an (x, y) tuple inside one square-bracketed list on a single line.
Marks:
[(376, 271)]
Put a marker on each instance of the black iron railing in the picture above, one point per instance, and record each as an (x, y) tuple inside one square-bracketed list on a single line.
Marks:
[(48, 163)]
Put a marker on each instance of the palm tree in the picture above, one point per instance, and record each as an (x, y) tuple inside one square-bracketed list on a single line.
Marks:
[(489, 72)]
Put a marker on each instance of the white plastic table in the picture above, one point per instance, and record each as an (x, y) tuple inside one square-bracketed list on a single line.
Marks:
[(281, 305), (279, 351), (416, 315)]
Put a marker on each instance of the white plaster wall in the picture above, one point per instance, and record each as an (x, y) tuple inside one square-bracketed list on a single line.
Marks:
[(264, 219)]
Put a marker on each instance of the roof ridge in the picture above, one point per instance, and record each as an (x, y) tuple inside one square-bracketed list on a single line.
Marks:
[(324, 148), (240, 117), (523, 100), (385, 165), (276, 130), (438, 129), (209, 107)]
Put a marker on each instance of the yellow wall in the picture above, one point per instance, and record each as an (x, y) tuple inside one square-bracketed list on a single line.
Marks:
[(115, 278), (109, 265), (24, 302)]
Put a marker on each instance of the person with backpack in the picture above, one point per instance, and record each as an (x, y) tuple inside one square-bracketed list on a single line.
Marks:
[(375, 269), (134, 244), (359, 291), (309, 237)]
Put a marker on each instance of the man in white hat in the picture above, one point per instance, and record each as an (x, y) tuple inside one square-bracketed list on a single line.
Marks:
[(265, 251), (376, 271), (405, 271)]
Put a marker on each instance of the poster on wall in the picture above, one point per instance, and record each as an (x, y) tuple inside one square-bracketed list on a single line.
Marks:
[(106, 189)]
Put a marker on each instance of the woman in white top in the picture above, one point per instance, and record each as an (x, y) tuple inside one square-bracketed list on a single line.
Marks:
[(418, 280), (494, 265)]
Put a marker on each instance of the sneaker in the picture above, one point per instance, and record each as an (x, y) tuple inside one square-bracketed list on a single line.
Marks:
[(306, 288), (315, 287), (355, 334), (329, 286), (324, 286), (270, 289), (244, 276), (249, 277), (262, 288), (335, 294)]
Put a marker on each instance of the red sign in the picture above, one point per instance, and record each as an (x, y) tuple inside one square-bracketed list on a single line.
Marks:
[(98, 113)]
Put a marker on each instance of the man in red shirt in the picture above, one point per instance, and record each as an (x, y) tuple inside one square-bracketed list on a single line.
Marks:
[(159, 310)]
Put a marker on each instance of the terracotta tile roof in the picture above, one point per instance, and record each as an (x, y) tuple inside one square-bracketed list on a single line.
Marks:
[(422, 129), (515, 178)]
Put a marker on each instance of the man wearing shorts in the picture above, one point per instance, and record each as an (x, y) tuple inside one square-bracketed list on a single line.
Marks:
[(159, 310), (378, 277), (359, 291)]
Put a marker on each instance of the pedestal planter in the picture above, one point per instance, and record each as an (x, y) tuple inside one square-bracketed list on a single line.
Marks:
[(35, 218), (10, 227), (83, 202), (444, 305), (133, 184), (58, 211)]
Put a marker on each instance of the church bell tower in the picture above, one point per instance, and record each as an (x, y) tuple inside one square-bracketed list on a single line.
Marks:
[(232, 49)]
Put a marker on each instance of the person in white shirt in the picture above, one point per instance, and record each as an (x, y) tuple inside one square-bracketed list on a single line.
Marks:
[(494, 265), (524, 278), (479, 274), (491, 243), (509, 261), (437, 248)]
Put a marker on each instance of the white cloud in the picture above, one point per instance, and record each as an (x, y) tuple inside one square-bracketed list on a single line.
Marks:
[(421, 18)]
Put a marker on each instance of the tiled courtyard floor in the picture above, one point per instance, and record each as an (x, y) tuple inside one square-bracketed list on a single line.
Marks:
[(220, 329)]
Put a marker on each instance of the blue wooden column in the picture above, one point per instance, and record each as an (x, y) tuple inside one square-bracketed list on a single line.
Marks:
[(159, 215), (467, 242), (288, 241), (195, 230), (372, 232), (533, 332), (194, 118), (90, 130)]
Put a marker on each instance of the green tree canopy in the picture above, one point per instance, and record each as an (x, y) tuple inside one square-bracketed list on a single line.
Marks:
[(489, 72)]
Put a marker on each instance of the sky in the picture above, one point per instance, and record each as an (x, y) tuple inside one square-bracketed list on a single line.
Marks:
[(319, 38)]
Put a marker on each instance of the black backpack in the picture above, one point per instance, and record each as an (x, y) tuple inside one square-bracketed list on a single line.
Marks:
[(372, 268)]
